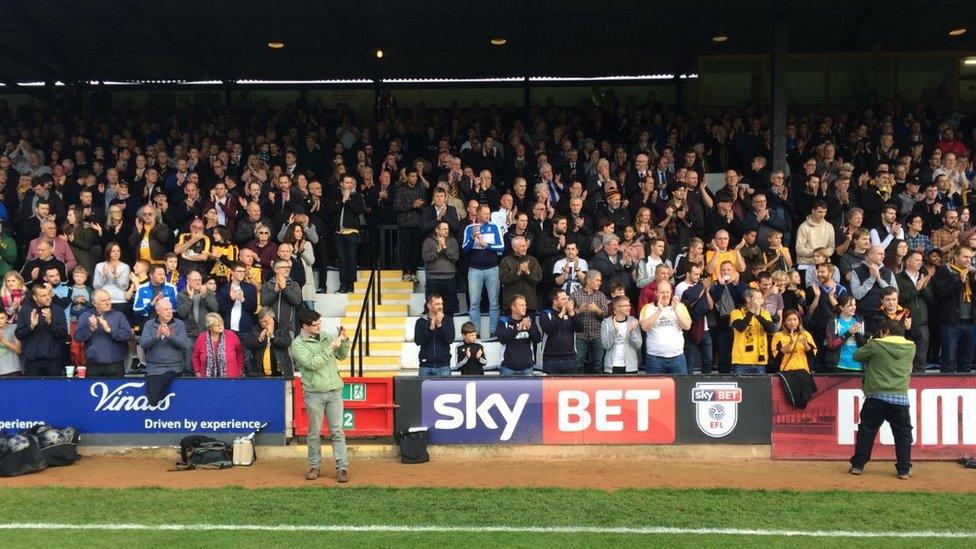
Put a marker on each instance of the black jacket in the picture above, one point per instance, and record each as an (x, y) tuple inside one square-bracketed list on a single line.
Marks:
[(46, 341), (519, 344), (948, 290), (435, 345), (353, 209), (560, 335), (281, 364)]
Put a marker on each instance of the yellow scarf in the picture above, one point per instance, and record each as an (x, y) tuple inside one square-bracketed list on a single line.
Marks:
[(967, 292)]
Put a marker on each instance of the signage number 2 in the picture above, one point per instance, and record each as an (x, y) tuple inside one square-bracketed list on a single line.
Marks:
[(348, 419)]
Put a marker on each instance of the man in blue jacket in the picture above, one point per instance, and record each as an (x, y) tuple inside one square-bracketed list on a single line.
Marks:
[(42, 331), (484, 245), (435, 334), (144, 304), (105, 333), (519, 335), (559, 325)]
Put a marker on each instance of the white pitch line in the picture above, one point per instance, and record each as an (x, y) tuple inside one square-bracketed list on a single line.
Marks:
[(393, 528)]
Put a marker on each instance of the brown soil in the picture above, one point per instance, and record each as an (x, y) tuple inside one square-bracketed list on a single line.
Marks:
[(128, 471)]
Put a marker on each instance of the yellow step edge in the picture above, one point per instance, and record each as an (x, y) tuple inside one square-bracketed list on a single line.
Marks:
[(360, 286), (391, 361)]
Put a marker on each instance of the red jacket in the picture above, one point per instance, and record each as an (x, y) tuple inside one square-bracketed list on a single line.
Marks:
[(234, 351)]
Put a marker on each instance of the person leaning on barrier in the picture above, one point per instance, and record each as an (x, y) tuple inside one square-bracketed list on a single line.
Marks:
[(105, 334), (167, 350), (316, 354), (268, 342)]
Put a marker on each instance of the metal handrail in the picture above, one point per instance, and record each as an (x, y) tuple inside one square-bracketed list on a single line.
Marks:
[(367, 315)]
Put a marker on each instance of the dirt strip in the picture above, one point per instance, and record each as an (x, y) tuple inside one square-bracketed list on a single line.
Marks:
[(128, 471)]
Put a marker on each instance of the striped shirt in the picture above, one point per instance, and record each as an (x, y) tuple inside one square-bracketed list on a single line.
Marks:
[(897, 400)]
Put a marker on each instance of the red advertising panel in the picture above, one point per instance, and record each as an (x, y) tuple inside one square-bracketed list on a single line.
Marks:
[(631, 410), (367, 408), (942, 409)]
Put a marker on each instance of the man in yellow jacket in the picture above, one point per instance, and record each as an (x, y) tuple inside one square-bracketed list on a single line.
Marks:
[(751, 326), (315, 354)]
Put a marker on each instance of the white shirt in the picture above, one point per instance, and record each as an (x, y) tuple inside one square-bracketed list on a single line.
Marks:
[(665, 338), (236, 311), (571, 284), (620, 344), (500, 218)]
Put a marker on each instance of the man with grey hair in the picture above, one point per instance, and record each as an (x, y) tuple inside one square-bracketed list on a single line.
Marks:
[(193, 304), (868, 281), (167, 350), (34, 269), (105, 335), (609, 262), (61, 249), (520, 274)]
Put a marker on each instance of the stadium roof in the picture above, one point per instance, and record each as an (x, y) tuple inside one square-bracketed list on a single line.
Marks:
[(117, 40)]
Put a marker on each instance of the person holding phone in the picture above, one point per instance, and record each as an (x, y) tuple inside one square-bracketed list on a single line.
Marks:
[(316, 355)]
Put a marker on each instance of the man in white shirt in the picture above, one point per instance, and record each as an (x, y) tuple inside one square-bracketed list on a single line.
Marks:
[(664, 322), (505, 215), (570, 271), (889, 229)]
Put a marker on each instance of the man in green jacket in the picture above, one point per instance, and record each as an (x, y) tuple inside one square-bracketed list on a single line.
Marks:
[(887, 364), (315, 354)]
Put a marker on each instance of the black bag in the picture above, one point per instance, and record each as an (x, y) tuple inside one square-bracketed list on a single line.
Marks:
[(200, 452), (413, 446), (20, 454), (59, 446)]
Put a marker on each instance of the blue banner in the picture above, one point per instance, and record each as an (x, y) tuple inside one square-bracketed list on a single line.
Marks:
[(485, 411), (120, 406)]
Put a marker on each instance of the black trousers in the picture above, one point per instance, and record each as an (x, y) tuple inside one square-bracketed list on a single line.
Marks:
[(44, 368), (346, 252), (874, 412), (447, 288), (100, 369), (409, 249)]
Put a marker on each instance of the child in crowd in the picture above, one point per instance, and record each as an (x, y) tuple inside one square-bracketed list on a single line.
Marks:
[(224, 253), (173, 275), (848, 331), (471, 357), (12, 294), (791, 344), (79, 295), (9, 348)]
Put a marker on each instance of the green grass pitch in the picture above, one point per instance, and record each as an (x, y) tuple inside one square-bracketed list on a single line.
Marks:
[(322, 505)]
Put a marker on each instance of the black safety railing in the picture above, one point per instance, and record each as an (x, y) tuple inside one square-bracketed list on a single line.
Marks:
[(385, 248), (366, 322)]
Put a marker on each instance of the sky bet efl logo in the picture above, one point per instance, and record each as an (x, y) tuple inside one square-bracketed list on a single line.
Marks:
[(550, 411), (716, 407)]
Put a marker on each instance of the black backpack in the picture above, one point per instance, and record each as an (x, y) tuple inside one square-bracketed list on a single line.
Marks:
[(20, 454), (413, 446), (200, 452), (59, 446)]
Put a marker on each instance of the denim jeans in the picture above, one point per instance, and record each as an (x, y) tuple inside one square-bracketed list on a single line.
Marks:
[(675, 365), (329, 404), (346, 250), (510, 372), (874, 412), (748, 369), (704, 348), (589, 356), (435, 371), (558, 366), (957, 348), (488, 278), (447, 288)]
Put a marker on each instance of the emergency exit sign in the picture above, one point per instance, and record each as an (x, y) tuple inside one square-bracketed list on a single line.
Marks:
[(354, 392)]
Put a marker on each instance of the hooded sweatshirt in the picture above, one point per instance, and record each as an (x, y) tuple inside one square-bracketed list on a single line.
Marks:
[(812, 235), (887, 365)]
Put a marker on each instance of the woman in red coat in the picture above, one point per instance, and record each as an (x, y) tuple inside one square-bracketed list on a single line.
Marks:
[(218, 352)]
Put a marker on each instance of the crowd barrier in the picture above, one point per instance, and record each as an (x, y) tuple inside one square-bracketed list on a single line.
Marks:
[(496, 410)]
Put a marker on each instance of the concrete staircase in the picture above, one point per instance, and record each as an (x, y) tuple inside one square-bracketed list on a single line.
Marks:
[(391, 350)]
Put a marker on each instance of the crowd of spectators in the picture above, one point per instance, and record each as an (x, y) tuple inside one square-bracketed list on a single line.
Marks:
[(190, 240)]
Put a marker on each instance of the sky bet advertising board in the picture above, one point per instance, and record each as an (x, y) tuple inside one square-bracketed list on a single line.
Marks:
[(549, 411), (116, 411), (588, 410)]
